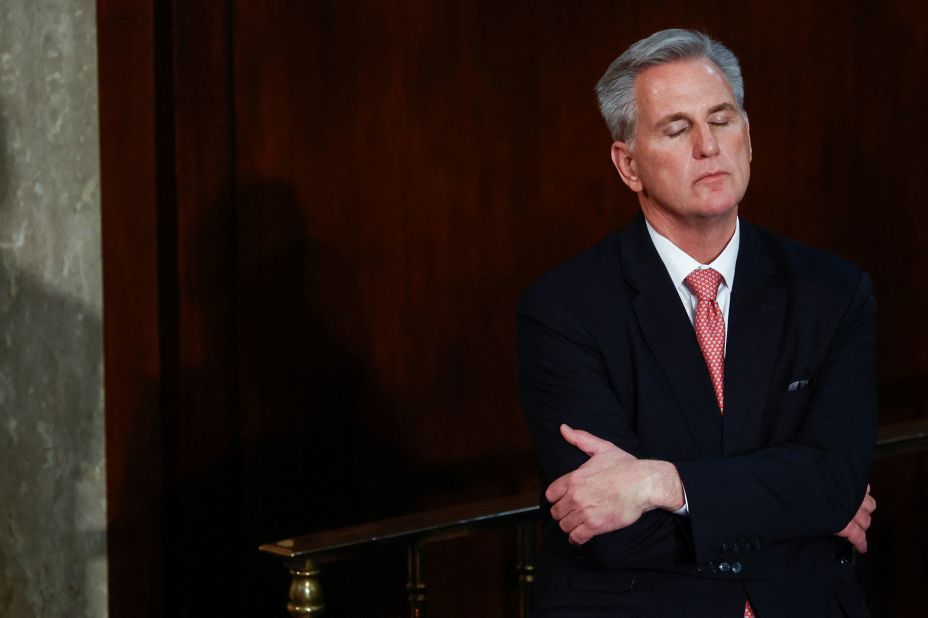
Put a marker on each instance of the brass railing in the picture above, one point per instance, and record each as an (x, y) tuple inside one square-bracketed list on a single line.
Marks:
[(304, 556)]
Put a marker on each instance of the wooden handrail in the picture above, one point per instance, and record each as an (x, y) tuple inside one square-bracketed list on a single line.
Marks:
[(900, 438), (303, 555), (425, 527)]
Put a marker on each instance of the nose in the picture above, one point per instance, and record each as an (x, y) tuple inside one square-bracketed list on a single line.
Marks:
[(705, 143)]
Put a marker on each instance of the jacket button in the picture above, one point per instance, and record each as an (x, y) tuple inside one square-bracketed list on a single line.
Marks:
[(844, 560), (725, 548), (736, 567), (713, 567), (724, 567)]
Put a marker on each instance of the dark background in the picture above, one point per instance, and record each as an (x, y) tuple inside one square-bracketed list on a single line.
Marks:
[(318, 217)]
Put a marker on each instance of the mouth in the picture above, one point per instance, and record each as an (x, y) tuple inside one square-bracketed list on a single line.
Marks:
[(711, 176)]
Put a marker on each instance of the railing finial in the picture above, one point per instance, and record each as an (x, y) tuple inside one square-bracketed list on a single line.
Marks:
[(415, 585), (305, 591)]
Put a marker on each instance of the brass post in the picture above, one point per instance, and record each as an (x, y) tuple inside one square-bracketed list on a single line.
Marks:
[(526, 565), (306, 591), (415, 584)]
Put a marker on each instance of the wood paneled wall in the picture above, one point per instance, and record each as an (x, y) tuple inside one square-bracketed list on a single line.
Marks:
[(318, 217)]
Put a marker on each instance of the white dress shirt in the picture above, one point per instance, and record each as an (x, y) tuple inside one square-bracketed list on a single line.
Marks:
[(679, 264)]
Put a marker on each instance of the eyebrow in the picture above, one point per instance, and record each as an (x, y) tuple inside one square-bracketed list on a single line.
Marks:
[(722, 107)]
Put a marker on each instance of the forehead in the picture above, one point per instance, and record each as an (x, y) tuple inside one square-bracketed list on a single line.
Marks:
[(683, 87)]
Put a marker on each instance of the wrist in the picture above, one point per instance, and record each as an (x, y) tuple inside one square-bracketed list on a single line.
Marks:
[(666, 488)]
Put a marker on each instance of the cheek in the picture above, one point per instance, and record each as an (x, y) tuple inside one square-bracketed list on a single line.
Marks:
[(736, 153), (742, 148), (689, 168), (746, 163), (672, 172)]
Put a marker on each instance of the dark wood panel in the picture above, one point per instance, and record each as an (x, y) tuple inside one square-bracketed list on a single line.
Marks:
[(202, 436), (129, 185)]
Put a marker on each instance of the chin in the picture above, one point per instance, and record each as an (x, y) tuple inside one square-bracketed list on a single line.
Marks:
[(718, 205), (717, 210)]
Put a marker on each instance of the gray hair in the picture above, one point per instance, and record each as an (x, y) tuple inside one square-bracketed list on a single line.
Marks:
[(616, 88)]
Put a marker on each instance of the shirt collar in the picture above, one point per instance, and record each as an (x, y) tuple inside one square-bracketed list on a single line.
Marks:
[(679, 264)]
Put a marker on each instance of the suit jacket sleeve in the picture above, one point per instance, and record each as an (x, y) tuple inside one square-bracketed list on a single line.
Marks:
[(563, 380)]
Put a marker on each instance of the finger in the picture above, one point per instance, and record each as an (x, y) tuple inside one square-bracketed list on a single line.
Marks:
[(858, 538), (852, 532), (561, 508), (862, 519), (849, 530), (572, 521), (557, 511), (557, 489), (580, 535), (861, 546), (869, 503), (585, 441)]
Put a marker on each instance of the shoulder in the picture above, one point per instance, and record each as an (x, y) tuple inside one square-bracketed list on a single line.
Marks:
[(808, 267), (577, 282), (819, 283)]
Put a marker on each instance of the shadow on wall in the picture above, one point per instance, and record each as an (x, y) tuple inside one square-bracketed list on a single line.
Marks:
[(319, 448), (52, 549), (297, 445)]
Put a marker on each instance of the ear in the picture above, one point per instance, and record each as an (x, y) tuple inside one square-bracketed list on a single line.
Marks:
[(624, 161), (747, 133)]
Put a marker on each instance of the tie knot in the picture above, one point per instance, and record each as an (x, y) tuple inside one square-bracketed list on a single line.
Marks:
[(704, 283)]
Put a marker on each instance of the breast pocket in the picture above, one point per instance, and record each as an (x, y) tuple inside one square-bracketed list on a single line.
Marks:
[(785, 412), (793, 400)]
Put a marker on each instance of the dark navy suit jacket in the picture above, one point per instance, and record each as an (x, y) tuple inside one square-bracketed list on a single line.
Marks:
[(605, 345)]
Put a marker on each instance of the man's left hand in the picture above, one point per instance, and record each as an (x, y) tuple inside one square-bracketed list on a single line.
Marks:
[(856, 529), (611, 490)]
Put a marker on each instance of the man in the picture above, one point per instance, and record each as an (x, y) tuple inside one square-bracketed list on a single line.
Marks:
[(700, 392)]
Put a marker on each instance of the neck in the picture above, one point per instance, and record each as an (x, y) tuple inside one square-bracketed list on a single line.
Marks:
[(703, 239)]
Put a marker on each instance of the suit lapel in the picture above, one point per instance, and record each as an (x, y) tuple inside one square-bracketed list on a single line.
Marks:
[(670, 337), (756, 314)]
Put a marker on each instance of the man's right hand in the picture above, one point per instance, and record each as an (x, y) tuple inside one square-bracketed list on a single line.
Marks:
[(856, 529), (611, 490)]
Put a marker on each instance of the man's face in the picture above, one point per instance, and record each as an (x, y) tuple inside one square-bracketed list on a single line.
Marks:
[(691, 158)]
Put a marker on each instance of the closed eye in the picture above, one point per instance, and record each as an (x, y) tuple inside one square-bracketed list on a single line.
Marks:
[(676, 130)]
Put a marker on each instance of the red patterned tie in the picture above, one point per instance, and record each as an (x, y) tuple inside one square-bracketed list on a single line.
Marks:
[(710, 326), (710, 333)]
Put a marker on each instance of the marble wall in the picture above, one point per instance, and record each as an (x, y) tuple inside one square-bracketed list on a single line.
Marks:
[(52, 476)]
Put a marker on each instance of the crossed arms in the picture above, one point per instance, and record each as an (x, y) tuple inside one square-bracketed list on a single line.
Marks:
[(613, 489), (811, 483)]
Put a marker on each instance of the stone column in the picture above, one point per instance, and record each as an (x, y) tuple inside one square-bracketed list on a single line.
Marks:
[(52, 475)]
